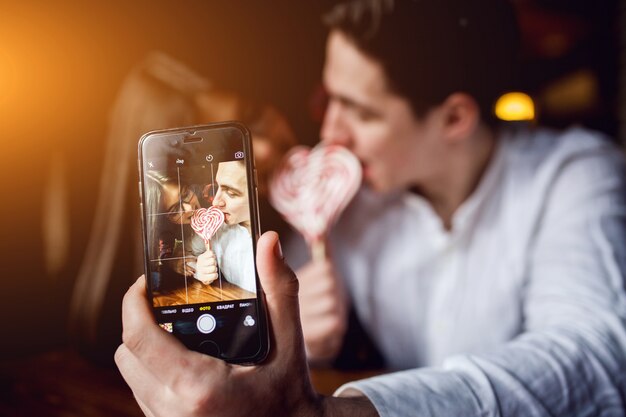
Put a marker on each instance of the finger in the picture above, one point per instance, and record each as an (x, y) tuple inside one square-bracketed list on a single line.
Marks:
[(206, 280), (315, 271), (281, 292), (320, 307), (190, 268), (324, 327), (321, 288), (207, 271), (206, 262), (165, 357), (146, 411), (141, 381)]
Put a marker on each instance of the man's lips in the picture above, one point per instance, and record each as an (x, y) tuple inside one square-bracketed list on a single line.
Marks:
[(365, 168)]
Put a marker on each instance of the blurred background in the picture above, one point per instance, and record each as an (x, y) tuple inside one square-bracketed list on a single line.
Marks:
[(63, 62)]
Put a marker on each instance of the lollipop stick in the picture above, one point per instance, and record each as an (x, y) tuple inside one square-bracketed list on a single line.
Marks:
[(318, 250)]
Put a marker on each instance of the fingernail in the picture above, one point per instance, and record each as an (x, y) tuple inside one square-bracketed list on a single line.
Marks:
[(278, 250)]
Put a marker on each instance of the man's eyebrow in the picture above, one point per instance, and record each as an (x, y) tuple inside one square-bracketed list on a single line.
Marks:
[(348, 102), (228, 187)]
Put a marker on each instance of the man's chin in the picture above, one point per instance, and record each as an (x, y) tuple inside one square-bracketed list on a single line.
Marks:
[(375, 184), (381, 187), (372, 181)]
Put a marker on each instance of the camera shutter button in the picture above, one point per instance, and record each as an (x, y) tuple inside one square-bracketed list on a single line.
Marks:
[(206, 323)]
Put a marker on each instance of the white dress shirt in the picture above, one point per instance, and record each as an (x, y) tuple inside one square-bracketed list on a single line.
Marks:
[(519, 309)]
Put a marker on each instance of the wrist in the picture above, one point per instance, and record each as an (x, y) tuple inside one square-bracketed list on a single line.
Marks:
[(355, 406), (314, 407)]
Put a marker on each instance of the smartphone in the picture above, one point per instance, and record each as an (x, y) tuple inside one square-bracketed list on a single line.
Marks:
[(200, 221)]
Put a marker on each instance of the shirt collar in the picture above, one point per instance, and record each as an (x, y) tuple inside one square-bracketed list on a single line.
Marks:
[(469, 209)]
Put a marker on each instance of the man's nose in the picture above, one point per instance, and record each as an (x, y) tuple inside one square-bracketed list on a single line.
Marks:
[(334, 130), (217, 200)]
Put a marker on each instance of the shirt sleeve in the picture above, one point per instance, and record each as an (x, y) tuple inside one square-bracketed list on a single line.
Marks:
[(570, 359)]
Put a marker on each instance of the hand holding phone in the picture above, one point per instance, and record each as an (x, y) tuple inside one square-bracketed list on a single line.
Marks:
[(201, 386)]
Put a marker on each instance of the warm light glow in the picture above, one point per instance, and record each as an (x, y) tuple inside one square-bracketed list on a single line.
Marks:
[(515, 107), (7, 77)]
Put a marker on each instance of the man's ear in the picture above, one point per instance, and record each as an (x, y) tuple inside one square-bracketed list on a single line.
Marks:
[(461, 117)]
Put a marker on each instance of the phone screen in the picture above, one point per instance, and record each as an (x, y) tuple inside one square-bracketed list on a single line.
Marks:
[(200, 230)]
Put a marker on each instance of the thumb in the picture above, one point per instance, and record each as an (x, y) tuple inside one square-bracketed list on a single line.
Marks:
[(281, 294)]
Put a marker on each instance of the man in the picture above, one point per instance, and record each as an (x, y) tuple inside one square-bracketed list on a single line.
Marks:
[(489, 265), (387, 67), (231, 247)]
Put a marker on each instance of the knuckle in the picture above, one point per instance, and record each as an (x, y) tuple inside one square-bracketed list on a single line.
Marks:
[(335, 326), (120, 354), (202, 403), (132, 340), (327, 286), (292, 284), (126, 300), (184, 383)]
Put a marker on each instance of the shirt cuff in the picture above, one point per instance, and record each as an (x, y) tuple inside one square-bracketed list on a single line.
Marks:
[(419, 392), (371, 394)]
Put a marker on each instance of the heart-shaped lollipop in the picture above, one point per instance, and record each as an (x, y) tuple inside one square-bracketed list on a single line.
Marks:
[(205, 222), (311, 187)]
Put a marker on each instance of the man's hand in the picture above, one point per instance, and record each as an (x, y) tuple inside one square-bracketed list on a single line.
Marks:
[(169, 380), (323, 310), (206, 267)]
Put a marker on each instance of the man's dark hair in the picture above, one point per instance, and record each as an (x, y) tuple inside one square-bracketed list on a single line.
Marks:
[(430, 49)]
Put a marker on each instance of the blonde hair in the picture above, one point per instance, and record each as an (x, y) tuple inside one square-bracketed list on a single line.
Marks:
[(158, 93)]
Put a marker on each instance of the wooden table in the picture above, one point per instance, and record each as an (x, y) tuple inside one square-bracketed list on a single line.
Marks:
[(63, 384), (196, 292)]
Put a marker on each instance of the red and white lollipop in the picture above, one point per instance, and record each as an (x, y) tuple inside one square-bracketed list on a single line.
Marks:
[(205, 222), (312, 187)]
